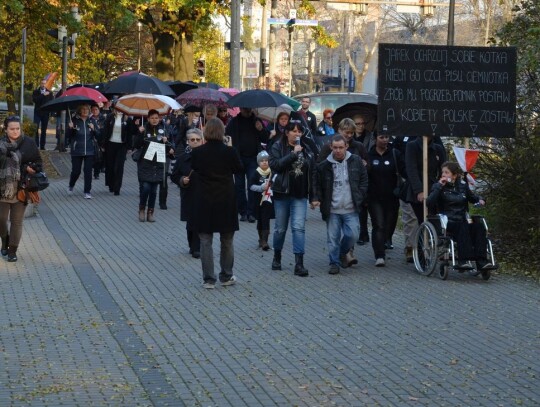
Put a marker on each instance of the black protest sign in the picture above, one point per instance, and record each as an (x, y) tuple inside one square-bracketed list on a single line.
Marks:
[(447, 90)]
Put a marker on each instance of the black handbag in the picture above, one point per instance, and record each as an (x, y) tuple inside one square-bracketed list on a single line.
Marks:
[(36, 182), (98, 154), (136, 155)]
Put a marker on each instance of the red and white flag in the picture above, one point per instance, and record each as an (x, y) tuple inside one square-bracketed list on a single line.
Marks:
[(466, 159)]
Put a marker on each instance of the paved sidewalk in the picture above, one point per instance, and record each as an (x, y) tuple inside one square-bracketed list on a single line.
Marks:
[(102, 310)]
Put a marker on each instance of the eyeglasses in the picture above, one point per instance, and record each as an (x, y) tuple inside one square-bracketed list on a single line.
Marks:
[(360, 123), (194, 139)]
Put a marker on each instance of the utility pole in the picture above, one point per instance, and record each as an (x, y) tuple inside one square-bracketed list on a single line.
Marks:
[(23, 61), (272, 48), (234, 73), (264, 42)]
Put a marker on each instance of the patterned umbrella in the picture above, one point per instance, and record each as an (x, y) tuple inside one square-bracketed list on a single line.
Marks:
[(138, 104), (203, 96)]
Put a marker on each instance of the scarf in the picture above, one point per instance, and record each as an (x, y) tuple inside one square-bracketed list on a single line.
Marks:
[(10, 167), (265, 173)]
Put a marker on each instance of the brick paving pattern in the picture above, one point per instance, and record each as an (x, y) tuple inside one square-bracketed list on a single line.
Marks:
[(104, 310)]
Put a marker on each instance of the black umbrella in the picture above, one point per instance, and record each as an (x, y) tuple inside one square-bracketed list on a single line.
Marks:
[(210, 85), (137, 83), (258, 98), (368, 109), (66, 103), (180, 87)]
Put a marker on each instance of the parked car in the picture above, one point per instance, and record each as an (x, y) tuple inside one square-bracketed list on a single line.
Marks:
[(333, 100)]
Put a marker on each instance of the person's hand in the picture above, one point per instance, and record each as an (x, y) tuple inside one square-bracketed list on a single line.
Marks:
[(481, 202), (315, 204), (164, 139), (443, 181), (30, 170), (297, 149), (266, 185), (364, 162), (141, 129), (420, 197), (171, 151), (272, 133), (70, 125), (258, 125), (90, 126), (185, 180)]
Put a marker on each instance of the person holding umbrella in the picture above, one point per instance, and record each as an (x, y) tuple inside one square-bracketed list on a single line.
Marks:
[(84, 136), (40, 96), (151, 168)]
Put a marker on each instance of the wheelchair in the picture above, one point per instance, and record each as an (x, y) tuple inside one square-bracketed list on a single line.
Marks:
[(432, 245)]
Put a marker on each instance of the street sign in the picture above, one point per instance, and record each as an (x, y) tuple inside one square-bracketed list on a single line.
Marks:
[(286, 21), (306, 22), (292, 13)]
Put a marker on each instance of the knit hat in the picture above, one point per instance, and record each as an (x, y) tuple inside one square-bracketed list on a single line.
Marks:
[(263, 155)]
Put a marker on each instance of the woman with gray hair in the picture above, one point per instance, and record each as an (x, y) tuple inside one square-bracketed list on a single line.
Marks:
[(215, 163), (183, 176)]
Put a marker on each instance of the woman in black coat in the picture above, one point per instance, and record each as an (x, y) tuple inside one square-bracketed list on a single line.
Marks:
[(151, 172), (183, 176), (450, 196), (215, 164), (19, 156)]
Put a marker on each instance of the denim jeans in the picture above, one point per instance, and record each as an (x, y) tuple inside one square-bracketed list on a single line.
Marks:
[(148, 192), (295, 209), (342, 231), (226, 257), (245, 206)]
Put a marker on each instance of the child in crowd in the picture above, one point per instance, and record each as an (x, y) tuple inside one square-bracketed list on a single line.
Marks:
[(261, 182)]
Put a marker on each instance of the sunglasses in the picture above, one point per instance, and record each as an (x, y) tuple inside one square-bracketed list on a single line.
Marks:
[(13, 119), (194, 139)]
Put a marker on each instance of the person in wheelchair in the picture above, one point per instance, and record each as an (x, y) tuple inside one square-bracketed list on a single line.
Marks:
[(450, 196)]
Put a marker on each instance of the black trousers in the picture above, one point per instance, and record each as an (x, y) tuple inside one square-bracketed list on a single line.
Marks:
[(115, 158), (471, 240), (384, 214), (77, 162), (265, 214)]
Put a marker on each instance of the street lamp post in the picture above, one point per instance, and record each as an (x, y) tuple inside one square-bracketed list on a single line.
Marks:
[(139, 25)]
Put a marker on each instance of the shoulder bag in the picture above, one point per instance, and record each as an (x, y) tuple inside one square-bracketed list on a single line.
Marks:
[(402, 185)]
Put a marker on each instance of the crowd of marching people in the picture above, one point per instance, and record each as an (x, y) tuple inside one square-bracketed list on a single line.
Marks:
[(241, 168)]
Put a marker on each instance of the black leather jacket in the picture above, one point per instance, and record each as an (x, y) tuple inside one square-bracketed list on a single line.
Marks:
[(451, 199)]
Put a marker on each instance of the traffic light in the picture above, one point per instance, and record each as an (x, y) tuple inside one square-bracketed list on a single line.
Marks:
[(201, 67)]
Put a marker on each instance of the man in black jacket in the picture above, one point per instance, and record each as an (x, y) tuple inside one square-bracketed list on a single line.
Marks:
[(247, 133), (340, 187), (40, 96), (308, 118)]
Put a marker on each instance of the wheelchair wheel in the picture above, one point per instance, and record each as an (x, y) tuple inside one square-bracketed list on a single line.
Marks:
[(425, 247), (443, 272), (486, 274)]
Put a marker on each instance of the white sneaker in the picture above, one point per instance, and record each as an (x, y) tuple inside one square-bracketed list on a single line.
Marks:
[(70, 191), (231, 281), (209, 286), (87, 196), (380, 262)]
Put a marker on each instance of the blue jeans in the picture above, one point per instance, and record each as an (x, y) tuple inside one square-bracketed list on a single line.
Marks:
[(245, 206), (342, 231), (295, 209), (148, 193)]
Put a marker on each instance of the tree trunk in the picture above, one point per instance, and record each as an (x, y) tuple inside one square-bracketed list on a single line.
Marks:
[(164, 48), (183, 57)]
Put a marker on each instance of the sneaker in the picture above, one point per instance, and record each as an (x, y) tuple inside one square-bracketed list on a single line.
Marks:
[(483, 264), (87, 195), (334, 269), (230, 281), (70, 191), (380, 262), (209, 286), (465, 265)]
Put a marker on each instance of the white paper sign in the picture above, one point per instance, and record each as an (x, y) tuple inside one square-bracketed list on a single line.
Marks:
[(155, 148)]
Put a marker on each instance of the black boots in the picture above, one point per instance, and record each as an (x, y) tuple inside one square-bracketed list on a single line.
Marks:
[(263, 240), (12, 254), (276, 262), (5, 244), (299, 269)]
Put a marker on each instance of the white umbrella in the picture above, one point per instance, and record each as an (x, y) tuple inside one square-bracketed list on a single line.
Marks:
[(271, 113), (138, 104)]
